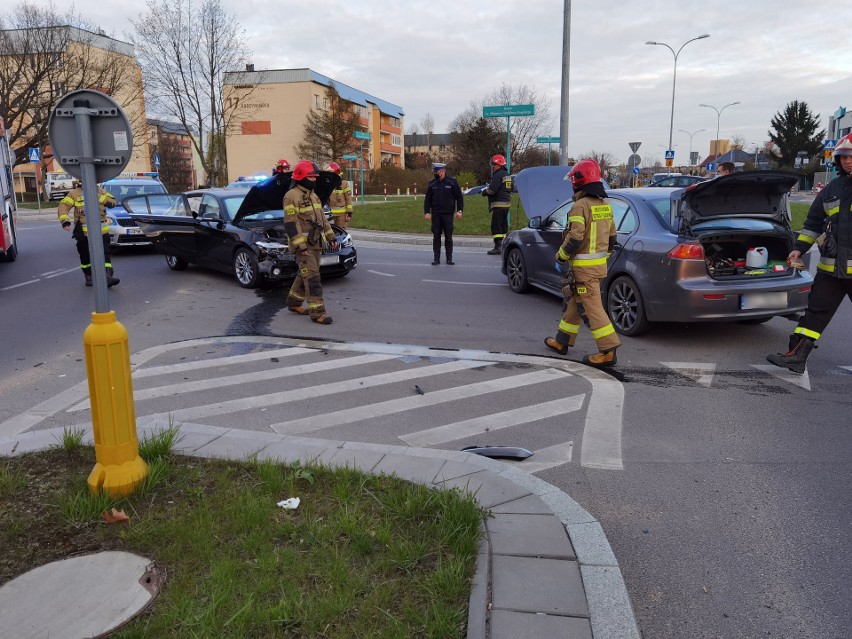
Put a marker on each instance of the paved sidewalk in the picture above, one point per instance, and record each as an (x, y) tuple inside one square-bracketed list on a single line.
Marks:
[(545, 569)]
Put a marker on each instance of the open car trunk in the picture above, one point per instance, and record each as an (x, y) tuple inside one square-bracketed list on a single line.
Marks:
[(726, 254)]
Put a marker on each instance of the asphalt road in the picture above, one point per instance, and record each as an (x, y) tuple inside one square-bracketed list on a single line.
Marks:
[(731, 515)]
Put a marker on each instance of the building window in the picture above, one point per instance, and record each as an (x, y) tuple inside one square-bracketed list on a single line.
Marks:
[(58, 89), (395, 140), (316, 100), (394, 121)]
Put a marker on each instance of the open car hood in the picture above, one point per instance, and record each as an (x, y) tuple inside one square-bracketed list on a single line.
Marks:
[(752, 194), (269, 195), (543, 188)]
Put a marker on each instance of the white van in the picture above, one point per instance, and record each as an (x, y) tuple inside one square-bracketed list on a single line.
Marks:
[(57, 185)]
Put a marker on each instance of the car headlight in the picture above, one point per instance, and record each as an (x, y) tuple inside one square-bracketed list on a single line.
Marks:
[(346, 242), (112, 221), (273, 248)]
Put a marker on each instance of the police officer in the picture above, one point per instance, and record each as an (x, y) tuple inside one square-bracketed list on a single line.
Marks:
[(499, 194), (587, 242), (308, 230), (340, 201), (829, 224), (72, 217), (443, 199)]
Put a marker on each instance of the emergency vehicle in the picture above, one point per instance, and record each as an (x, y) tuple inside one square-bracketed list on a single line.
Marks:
[(9, 210)]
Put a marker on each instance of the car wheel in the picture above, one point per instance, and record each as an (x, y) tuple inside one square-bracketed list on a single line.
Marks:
[(246, 269), (176, 263), (12, 253), (516, 271), (625, 307)]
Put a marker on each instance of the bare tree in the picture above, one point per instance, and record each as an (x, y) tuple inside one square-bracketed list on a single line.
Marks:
[(175, 172), (738, 141), (428, 126), (604, 159), (184, 50), (45, 54), (329, 131)]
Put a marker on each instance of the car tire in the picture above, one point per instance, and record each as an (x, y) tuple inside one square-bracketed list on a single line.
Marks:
[(246, 269), (12, 253), (516, 271), (176, 263), (625, 307)]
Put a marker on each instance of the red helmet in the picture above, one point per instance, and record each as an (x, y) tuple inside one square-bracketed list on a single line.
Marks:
[(282, 166), (498, 159), (843, 147), (305, 169), (584, 172), (335, 167)]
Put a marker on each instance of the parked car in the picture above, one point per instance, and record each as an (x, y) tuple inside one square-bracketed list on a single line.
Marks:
[(679, 181), (247, 181), (681, 254), (661, 176), (238, 231), (123, 230)]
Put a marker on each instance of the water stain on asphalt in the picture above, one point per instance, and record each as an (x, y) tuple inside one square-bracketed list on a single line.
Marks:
[(256, 320)]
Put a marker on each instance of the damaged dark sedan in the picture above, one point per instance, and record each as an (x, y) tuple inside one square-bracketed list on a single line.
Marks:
[(238, 231)]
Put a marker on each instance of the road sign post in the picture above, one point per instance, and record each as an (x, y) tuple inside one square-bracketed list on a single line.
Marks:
[(92, 140), (548, 141), (507, 111), (361, 135), (35, 159)]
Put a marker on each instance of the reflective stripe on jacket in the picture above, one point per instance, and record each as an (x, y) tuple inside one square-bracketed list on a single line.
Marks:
[(830, 217), (340, 201), (303, 217), (72, 210), (589, 224)]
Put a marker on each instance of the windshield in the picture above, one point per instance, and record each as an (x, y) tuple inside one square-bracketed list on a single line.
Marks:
[(121, 191)]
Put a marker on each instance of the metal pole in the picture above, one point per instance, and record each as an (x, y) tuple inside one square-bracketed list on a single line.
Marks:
[(566, 67), (362, 171), (508, 144), (716, 143), (38, 189), (91, 207)]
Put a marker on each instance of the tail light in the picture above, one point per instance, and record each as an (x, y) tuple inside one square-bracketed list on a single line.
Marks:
[(805, 289), (687, 251)]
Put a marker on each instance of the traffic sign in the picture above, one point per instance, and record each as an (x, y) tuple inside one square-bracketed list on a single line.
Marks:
[(361, 135), (547, 140), (635, 170), (711, 166), (669, 155), (156, 159), (34, 154), (507, 110), (669, 162), (829, 145), (349, 156), (634, 146), (634, 160)]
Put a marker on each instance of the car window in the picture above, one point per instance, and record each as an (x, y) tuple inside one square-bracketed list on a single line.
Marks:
[(232, 205), (622, 216), (210, 208), (194, 203), (165, 204), (662, 207), (559, 218)]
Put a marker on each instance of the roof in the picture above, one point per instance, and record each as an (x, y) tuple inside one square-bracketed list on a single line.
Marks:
[(168, 127), (98, 40), (284, 76), (431, 139)]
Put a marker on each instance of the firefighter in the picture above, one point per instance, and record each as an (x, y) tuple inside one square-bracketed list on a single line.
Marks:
[(73, 219), (443, 199), (829, 224), (499, 194), (340, 201), (587, 242), (281, 166), (308, 231)]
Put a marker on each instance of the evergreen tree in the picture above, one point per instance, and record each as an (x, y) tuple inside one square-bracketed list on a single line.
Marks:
[(795, 129), (329, 131)]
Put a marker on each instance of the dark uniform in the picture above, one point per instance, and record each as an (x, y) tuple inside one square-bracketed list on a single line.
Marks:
[(499, 194), (71, 212), (829, 224), (443, 199), (308, 230)]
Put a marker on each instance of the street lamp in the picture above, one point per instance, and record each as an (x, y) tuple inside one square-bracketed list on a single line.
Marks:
[(690, 141), (674, 77), (716, 142)]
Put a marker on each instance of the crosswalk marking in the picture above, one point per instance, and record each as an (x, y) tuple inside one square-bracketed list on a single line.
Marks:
[(495, 421), (258, 401), (166, 369), (698, 372), (249, 378), (545, 458), (802, 381), (350, 415)]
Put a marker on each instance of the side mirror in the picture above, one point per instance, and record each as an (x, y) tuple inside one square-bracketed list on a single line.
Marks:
[(535, 222)]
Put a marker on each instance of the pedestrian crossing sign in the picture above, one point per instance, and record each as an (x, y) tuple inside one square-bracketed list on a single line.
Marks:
[(34, 157), (829, 145)]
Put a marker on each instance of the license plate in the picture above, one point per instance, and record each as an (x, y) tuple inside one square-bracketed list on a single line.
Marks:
[(133, 231), (326, 260), (763, 300)]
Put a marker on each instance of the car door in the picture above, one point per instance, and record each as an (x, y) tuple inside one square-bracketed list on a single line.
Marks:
[(167, 220), (215, 242), (626, 222), (548, 238)]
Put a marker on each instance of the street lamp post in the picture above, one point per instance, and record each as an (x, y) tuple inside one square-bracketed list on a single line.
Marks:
[(674, 76), (716, 142), (690, 141)]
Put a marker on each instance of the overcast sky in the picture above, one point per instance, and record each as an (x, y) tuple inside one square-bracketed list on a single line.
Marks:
[(435, 58)]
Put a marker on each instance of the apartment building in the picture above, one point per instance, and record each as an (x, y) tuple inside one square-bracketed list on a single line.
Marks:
[(273, 114), (68, 58), (173, 155)]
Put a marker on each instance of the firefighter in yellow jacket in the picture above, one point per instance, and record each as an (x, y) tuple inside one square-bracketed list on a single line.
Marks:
[(588, 241), (308, 231), (340, 201), (72, 218)]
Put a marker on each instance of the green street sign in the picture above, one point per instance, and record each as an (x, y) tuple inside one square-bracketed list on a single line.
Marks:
[(507, 110), (349, 156), (547, 140), (361, 135)]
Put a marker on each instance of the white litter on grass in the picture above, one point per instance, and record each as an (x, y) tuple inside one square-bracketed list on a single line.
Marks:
[(290, 504)]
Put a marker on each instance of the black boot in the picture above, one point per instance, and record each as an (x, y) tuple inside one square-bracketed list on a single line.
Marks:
[(111, 281), (796, 358), (436, 261), (496, 249), (87, 273), (450, 260)]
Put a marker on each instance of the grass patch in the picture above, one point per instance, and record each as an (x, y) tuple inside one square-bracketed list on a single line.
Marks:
[(362, 556), (799, 212), (72, 440)]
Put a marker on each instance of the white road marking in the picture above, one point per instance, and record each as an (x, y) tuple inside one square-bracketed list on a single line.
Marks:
[(351, 415), (69, 270), (802, 381), (380, 273), (217, 362), (847, 368), (9, 288), (495, 421), (467, 283), (249, 378), (283, 397), (545, 458), (698, 372)]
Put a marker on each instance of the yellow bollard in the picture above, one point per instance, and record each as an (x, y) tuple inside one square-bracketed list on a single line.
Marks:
[(119, 469)]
